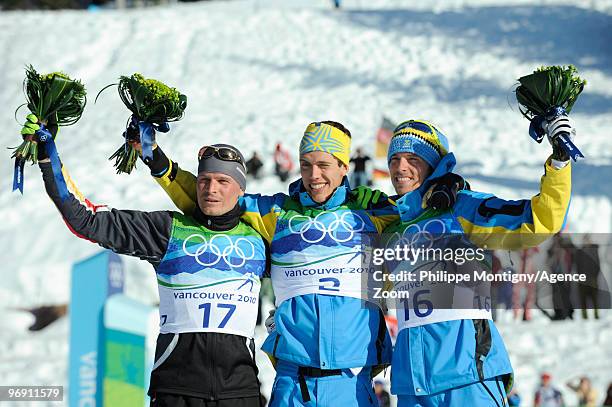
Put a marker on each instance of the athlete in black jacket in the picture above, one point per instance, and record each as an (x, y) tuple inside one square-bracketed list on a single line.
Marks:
[(205, 353)]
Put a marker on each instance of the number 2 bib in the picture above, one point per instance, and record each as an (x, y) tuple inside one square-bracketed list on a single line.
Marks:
[(319, 253)]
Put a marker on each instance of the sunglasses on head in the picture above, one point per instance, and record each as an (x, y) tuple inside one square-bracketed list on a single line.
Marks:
[(223, 153), (418, 125)]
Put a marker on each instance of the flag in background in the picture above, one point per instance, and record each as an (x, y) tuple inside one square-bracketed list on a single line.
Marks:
[(383, 138)]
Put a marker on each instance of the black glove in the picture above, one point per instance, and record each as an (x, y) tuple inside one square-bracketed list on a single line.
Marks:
[(132, 131), (52, 128), (442, 195)]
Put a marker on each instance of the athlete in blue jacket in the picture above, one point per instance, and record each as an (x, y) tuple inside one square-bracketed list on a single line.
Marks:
[(327, 341), (456, 357)]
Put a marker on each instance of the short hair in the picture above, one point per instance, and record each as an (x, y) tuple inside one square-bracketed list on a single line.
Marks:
[(339, 126)]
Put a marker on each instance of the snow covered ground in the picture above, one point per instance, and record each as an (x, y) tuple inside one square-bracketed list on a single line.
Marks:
[(257, 72)]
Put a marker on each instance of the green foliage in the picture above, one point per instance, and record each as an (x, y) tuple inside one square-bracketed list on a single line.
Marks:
[(151, 100), (546, 87), (52, 96), (125, 158)]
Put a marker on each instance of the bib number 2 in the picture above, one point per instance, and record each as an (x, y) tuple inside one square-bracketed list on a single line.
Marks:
[(329, 284)]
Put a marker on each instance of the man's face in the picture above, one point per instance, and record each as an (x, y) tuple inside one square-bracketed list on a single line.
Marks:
[(321, 174), (408, 171), (217, 193)]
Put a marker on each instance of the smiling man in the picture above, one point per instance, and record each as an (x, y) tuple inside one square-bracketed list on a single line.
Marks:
[(317, 226), (456, 357), (321, 174), (408, 171), (327, 341)]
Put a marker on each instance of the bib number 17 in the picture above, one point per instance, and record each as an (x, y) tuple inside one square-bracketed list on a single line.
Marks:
[(206, 307)]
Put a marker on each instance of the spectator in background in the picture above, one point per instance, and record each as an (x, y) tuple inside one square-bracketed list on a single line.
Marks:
[(524, 288), (547, 395), (282, 162), (585, 392), (384, 400), (360, 177), (514, 399), (560, 262), (608, 401), (587, 263), (496, 268), (501, 292), (253, 165)]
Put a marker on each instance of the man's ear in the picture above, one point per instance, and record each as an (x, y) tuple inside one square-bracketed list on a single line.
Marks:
[(345, 168)]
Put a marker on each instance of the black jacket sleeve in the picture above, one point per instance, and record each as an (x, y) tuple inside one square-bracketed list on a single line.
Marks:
[(135, 233)]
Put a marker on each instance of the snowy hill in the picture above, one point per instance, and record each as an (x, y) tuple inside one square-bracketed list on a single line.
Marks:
[(257, 72)]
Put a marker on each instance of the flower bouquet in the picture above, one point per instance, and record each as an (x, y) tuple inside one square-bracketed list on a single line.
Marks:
[(153, 104), (547, 93), (56, 100)]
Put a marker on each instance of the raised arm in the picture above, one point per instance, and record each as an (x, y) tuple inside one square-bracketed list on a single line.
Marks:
[(180, 185), (504, 224), (134, 233), (260, 211)]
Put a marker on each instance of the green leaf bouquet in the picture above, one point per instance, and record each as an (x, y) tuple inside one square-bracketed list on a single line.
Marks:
[(153, 104), (547, 93), (50, 96)]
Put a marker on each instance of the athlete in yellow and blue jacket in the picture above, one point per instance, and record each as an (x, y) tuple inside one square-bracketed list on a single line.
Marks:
[(433, 358), (327, 340), (456, 357)]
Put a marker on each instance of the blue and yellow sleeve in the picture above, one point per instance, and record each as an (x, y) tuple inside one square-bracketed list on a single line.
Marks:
[(180, 185), (383, 214), (261, 212), (501, 224)]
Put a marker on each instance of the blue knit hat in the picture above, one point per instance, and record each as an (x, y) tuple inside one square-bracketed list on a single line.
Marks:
[(421, 138)]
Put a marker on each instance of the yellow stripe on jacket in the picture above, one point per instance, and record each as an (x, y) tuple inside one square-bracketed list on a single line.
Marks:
[(504, 230)]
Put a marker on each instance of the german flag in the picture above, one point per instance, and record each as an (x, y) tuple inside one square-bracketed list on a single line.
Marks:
[(383, 137)]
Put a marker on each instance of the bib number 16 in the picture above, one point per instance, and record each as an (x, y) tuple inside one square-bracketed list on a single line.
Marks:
[(420, 306)]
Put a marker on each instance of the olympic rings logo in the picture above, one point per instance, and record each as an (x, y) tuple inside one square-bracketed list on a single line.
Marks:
[(314, 230), (241, 248), (416, 236)]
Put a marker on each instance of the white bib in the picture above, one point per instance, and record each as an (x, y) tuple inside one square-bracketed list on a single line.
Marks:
[(228, 307), (340, 276), (322, 254), (418, 308)]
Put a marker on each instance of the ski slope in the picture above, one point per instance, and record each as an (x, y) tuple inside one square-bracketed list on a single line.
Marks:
[(257, 72)]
